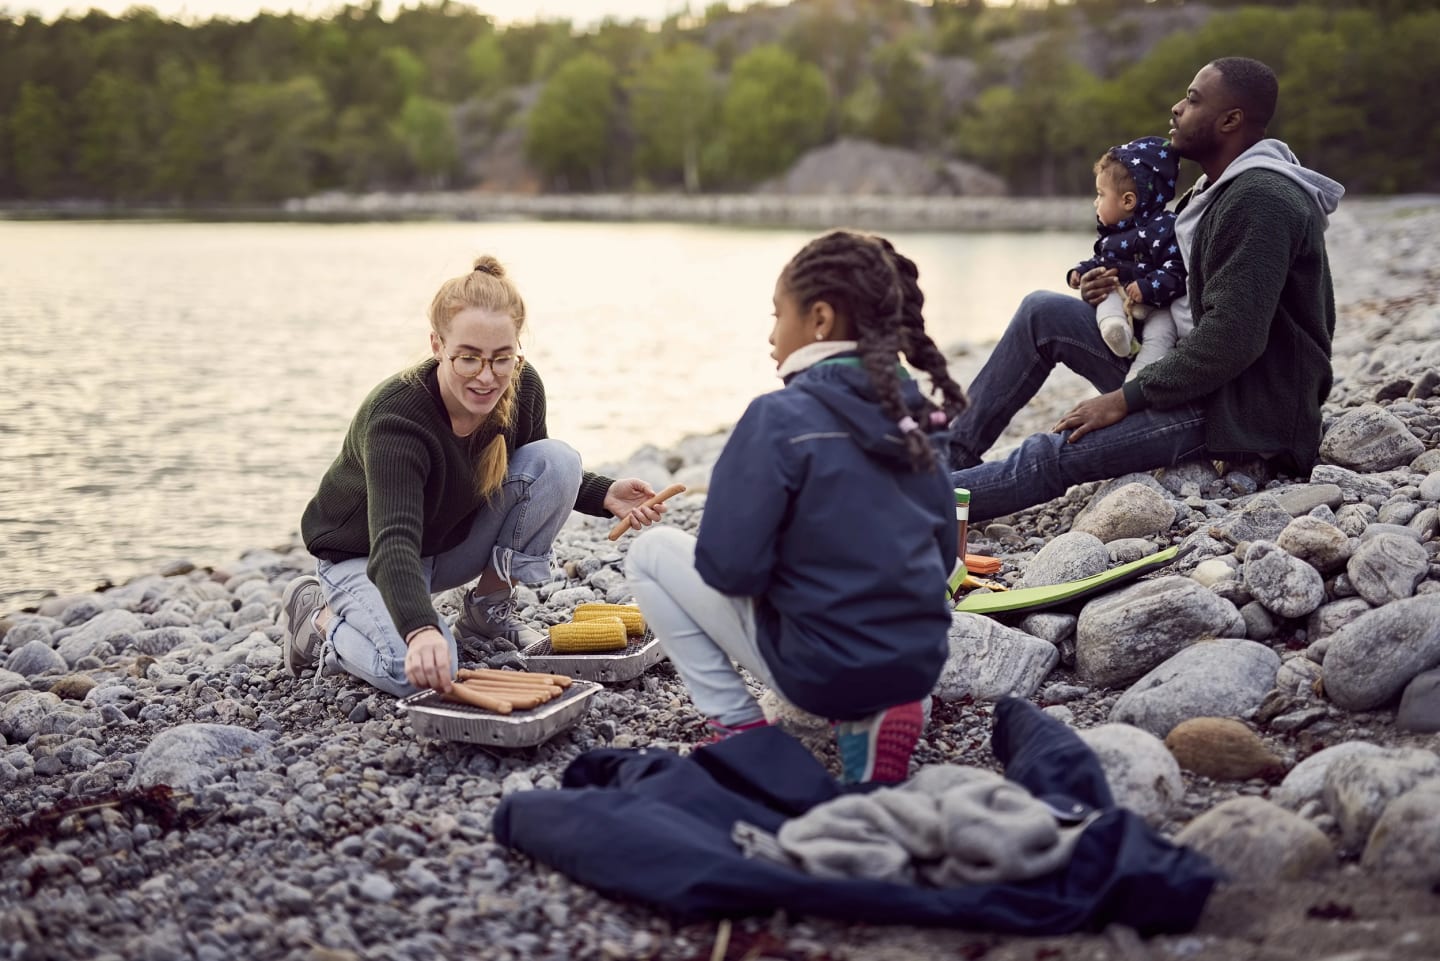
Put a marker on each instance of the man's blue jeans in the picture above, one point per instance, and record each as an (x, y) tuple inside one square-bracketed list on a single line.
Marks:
[(1051, 328)]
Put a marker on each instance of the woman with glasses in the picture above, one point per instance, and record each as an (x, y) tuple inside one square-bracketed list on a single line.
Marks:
[(446, 475)]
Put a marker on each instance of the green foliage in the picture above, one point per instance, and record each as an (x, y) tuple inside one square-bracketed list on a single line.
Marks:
[(568, 135), (774, 110), (366, 152), (425, 130), (486, 65), (274, 142), (138, 108), (195, 105), (1028, 131), (40, 140), (906, 104), (117, 130), (674, 107)]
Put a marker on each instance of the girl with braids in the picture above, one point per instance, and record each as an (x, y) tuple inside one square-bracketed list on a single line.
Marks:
[(447, 474), (829, 530)]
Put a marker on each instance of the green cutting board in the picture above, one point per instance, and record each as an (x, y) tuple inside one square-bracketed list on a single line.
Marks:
[(1053, 595)]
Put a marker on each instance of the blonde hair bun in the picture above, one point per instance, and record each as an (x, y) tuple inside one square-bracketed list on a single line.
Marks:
[(486, 264)]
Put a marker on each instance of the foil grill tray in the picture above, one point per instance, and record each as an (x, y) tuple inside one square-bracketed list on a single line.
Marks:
[(434, 717), (610, 667)]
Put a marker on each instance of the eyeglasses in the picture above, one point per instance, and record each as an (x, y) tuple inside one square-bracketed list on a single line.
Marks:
[(473, 365)]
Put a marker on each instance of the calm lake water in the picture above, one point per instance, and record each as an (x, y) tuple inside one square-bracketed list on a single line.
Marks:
[(174, 390)]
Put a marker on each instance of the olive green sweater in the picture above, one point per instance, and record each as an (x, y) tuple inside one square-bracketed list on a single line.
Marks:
[(403, 486), (1258, 360)]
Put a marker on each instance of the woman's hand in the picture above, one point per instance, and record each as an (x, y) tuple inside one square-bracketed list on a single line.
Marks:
[(625, 497), (427, 660), (1097, 283), (1093, 414)]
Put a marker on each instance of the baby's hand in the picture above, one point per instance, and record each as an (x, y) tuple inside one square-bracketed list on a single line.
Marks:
[(1132, 292)]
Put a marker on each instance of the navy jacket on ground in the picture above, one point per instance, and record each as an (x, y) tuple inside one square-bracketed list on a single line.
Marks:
[(815, 512), (650, 826)]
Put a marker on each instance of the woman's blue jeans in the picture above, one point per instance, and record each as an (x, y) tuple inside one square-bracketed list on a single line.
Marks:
[(1047, 329), (514, 531)]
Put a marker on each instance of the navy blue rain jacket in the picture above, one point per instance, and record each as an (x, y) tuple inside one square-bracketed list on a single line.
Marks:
[(653, 827), (815, 512), (1142, 247)]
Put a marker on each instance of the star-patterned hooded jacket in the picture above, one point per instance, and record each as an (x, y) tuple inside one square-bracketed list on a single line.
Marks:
[(1142, 246)]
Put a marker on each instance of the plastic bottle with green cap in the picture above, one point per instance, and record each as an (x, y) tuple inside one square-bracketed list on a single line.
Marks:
[(962, 522)]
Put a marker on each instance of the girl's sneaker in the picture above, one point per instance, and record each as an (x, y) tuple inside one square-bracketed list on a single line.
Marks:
[(719, 732), (878, 748)]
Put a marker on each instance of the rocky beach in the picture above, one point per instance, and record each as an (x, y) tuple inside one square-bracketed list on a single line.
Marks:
[(1271, 698)]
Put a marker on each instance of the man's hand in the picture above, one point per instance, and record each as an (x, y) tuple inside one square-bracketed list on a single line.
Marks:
[(624, 498), (427, 660), (1093, 414), (1097, 283)]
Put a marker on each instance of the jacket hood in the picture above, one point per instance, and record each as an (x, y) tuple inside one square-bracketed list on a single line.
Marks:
[(1154, 166), (843, 386), (1276, 155)]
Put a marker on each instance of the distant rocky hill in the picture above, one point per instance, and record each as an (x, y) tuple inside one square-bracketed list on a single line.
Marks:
[(851, 166)]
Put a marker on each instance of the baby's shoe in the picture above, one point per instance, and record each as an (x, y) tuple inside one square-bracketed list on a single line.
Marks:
[(1119, 335)]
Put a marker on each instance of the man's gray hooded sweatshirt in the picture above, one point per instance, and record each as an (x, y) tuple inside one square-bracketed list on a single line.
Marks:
[(1259, 316)]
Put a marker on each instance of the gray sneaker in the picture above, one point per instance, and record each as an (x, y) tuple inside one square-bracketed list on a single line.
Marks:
[(490, 616), (301, 642)]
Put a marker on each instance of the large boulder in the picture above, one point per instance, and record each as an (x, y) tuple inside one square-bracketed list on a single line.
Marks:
[(1261, 519), (1370, 439), (1371, 659), (1256, 842), (1359, 787), (1306, 780), (1387, 567), (1070, 557), (186, 757), (989, 661), (1219, 678), (1134, 510), (1223, 749), (1286, 585), (1322, 545), (1123, 634), (1143, 775), (115, 628), (1405, 842)]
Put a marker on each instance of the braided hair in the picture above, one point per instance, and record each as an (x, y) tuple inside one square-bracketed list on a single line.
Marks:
[(864, 279)]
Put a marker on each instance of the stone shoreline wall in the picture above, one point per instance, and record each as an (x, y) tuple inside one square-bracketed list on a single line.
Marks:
[(810, 212)]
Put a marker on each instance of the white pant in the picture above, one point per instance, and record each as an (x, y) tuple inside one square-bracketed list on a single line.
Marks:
[(1158, 332), (702, 630)]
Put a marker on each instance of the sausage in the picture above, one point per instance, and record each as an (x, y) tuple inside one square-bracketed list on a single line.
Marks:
[(518, 700), (519, 690), (480, 673), (659, 498), (489, 702)]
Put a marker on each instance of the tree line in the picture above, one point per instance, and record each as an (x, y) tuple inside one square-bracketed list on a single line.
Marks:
[(139, 109)]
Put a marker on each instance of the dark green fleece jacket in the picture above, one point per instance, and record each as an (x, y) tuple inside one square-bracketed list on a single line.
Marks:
[(403, 486), (1258, 360)]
